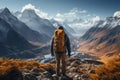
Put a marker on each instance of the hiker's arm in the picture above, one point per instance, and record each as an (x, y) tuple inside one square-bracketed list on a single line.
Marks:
[(52, 52), (68, 45)]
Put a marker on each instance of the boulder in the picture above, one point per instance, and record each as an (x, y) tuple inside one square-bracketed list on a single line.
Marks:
[(71, 74), (51, 71), (75, 63), (68, 68), (55, 77), (68, 63), (28, 76), (35, 71), (66, 78), (84, 76), (91, 71), (46, 75), (77, 77), (73, 69)]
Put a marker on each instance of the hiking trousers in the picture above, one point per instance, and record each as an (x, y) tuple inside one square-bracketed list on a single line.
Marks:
[(60, 58)]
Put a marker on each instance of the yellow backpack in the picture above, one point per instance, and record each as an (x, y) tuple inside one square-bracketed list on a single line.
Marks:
[(59, 41)]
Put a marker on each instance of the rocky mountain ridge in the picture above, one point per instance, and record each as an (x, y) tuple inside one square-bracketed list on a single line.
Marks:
[(102, 39)]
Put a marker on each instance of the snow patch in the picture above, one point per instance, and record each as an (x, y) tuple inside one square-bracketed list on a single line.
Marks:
[(37, 11), (117, 14)]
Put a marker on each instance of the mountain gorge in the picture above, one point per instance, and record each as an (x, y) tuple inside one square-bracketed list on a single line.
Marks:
[(102, 39)]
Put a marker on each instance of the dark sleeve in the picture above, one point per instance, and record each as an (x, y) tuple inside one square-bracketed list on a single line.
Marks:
[(52, 52), (68, 45)]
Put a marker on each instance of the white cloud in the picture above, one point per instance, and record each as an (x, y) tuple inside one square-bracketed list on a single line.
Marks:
[(84, 25), (117, 14), (38, 12), (88, 15), (71, 15), (28, 6), (78, 19), (96, 18), (76, 10)]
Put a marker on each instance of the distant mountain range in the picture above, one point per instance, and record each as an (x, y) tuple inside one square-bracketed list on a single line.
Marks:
[(17, 34), (20, 31), (41, 25), (44, 26), (102, 39), (22, 28)]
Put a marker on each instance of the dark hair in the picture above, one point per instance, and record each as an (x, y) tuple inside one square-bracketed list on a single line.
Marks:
[(61, 27)]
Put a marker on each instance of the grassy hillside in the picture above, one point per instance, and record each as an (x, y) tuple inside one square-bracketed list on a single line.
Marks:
[(109, 71), (7, 65)]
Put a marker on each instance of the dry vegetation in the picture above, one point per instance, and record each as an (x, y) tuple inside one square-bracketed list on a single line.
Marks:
[(6, 65), (109, 71)]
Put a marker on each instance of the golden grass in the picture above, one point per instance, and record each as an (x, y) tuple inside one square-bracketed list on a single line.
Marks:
[(6, 65), (109, 71)]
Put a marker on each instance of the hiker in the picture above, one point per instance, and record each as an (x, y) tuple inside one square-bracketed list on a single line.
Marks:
[(59, 46)]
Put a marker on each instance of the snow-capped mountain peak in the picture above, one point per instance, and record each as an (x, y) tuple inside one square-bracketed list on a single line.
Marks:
[(110, 22), (35, 22), (117, 14), (29, 13)]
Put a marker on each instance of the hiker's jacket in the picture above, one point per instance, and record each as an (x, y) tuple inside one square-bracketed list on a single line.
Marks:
[(67, 45)]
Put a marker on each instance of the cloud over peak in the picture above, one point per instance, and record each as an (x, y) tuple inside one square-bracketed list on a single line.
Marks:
[(78, 19), (37, 11), (117, 14), (28, 6)]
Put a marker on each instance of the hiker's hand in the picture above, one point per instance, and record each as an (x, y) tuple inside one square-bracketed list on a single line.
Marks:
[(52, 54)]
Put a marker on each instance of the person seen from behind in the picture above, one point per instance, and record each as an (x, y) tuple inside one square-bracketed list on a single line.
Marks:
[(59, 46)]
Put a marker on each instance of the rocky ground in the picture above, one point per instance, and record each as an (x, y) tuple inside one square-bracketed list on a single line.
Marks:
[(77, 69)]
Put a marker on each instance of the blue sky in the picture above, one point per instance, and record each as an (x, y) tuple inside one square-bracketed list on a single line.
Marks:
[(102, 8)]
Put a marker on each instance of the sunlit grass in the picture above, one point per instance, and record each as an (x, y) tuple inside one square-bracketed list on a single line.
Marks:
[(6, 65), (109, 71)]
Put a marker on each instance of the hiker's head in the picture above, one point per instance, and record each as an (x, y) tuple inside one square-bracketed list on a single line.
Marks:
[(61, 27)]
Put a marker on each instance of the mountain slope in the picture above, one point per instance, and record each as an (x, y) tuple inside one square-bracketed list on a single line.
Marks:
[(68, 29), (103, 39), (43, 26), (10, 40), (22, 28)]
